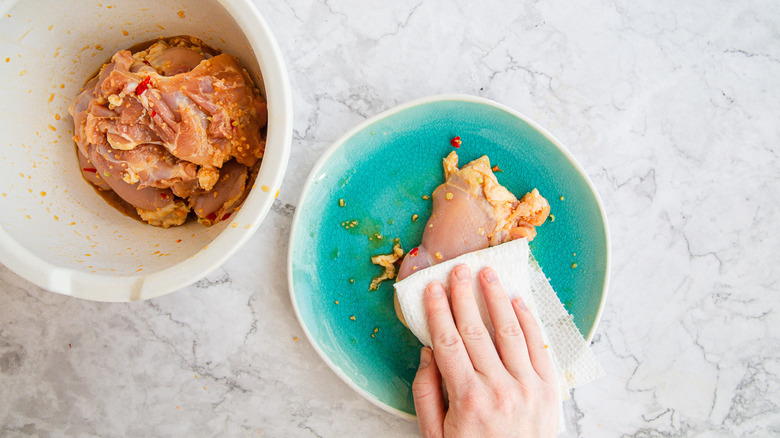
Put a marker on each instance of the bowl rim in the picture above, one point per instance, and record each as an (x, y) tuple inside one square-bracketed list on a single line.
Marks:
[(123, 288), (387, 113)]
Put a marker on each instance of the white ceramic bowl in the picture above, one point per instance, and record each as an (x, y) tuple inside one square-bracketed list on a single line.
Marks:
[(55, 231)]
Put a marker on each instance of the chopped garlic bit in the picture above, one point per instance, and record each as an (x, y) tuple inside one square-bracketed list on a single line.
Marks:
[(114, 101), (207, 177), (349, 224), (130, 176)]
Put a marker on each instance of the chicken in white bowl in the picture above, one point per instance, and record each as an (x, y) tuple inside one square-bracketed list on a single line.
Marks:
[(171, 129)]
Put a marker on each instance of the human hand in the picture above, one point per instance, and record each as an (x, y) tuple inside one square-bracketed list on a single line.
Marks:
[(504, 389)]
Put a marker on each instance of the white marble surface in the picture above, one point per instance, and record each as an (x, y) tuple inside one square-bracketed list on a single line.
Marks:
[(673, 109)]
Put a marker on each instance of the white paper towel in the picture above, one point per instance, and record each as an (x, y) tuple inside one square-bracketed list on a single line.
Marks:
[(521, 276)]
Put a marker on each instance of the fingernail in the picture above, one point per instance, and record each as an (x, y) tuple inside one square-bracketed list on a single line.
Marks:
[(462, 273), (435, 290), (521, 304), (490, 275), (425, 357)]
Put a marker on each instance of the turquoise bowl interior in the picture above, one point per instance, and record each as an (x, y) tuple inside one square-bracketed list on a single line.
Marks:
[(381, 170)]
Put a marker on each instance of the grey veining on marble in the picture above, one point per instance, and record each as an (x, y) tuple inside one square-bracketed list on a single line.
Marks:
[(673, 109)]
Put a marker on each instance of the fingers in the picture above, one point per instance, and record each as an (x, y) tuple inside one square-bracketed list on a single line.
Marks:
[(510, 341), (472, 330), (448, 349), (537, 349), (428, 397)]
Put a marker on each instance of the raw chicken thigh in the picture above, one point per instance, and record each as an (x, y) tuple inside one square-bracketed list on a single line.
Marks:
[(472, 211), (170, 129)]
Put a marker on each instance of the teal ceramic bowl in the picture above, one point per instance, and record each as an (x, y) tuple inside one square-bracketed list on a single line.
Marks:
[(381, 170)]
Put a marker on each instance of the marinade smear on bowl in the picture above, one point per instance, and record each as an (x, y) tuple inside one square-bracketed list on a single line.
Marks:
[(170, 130)]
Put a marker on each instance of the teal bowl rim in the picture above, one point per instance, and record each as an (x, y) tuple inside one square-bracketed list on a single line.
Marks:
[(349, 134)]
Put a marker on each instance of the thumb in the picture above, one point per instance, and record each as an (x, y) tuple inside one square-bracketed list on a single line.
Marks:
[(428, 398)]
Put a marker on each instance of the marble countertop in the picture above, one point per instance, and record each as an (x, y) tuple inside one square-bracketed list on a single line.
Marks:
[(673, 109)]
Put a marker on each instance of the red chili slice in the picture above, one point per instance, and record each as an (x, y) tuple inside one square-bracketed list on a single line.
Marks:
[(153, 113), (139, 90), (212, 217), (413, 252), (226, 215), (89, 169), (455, 142), (164, 195)]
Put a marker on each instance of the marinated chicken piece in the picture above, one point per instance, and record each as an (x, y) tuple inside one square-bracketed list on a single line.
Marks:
[(472, 211), (171, 128), (171, 60), (218, 114), (148, 198), (79, 111), (227, 194), (90, 173), (131, 128), (149, 165), (205, 115)]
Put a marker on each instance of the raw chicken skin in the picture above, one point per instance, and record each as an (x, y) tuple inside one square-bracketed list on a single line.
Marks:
[(472, 211)]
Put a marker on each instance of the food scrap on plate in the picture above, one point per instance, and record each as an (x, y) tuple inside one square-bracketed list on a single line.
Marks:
[(388, 262)]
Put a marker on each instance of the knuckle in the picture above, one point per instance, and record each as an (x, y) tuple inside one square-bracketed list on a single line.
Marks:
[(474, 332), (422, 390), (469, 401), (449, 340), (510, 331), (507, 398), (537, 345)]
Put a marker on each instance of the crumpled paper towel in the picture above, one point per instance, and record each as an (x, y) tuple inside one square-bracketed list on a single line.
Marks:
[(520, 275)]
